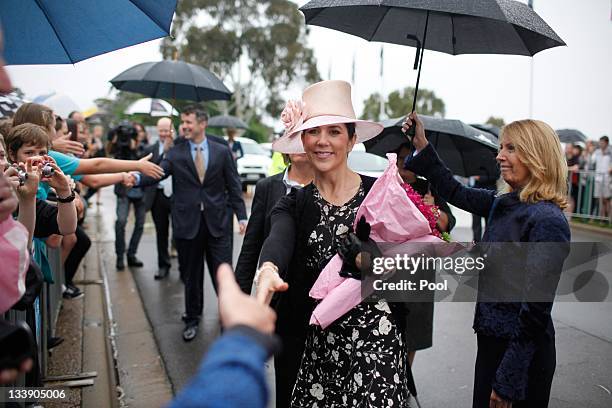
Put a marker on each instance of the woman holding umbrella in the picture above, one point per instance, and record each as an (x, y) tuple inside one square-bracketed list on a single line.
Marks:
[(516, 341), (333, 366)]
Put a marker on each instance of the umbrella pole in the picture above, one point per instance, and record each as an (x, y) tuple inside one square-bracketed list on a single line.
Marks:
[(412, 129)]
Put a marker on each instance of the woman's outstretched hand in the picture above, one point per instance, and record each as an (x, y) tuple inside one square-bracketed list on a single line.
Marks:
[(419, 140), (268, 282)]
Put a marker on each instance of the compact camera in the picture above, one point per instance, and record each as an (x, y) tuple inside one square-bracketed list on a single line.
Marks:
[(47, 169), (21, 174)]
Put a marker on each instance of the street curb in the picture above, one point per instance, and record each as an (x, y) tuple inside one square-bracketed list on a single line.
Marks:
[(590, 228), (143, 379)]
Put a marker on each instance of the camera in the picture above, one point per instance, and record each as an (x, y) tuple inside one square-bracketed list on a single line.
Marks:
[(47, 169), (122, 138), (21, 174)]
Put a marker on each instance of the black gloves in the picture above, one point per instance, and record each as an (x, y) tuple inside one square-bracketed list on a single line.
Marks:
[(356, 243)]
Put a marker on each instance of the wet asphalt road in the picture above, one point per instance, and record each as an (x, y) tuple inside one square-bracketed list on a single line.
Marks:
[(443, 373)]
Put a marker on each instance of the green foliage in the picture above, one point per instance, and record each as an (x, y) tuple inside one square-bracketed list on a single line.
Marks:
[(399, 103), (495, 121), (264, 38), (258, 131)]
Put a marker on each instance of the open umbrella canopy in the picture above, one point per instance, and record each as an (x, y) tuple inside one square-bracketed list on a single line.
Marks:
[(571, 136), (467, 151), (492, 129), (454, 27), (151, 106), (227, 121), (172, 80), (69, 31)]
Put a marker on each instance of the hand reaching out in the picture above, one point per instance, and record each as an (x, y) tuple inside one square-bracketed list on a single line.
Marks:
[(149, 168), (237, 308), (63, 144), (129, 180)]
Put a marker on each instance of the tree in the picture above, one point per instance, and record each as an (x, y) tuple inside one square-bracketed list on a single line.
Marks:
[(256, 47), (399, 103), (495, 121)]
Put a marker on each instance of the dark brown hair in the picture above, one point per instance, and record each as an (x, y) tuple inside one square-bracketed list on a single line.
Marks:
[(26, 133)]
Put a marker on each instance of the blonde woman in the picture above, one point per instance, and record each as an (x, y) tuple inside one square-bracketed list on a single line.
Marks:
[(516, 340)]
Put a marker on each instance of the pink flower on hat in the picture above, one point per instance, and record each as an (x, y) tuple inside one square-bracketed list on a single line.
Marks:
[(293, 116)]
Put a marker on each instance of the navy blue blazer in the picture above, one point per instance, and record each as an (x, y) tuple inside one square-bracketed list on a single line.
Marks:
[(221, 188), (522, 324)]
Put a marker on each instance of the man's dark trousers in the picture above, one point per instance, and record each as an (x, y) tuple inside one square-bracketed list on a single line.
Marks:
[(161, 218), (191, 253)]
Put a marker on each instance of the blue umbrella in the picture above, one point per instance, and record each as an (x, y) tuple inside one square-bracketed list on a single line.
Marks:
[(69, 31)]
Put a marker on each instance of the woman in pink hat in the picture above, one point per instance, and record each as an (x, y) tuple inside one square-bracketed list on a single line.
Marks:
[(361, 358)]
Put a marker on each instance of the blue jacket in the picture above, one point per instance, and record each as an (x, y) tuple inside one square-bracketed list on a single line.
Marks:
[(232, 373), (509, 220)]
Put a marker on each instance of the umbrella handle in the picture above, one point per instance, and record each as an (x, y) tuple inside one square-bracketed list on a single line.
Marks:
[(420, 52)]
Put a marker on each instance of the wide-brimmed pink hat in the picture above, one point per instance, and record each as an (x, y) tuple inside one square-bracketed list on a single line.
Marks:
[(324, 103)]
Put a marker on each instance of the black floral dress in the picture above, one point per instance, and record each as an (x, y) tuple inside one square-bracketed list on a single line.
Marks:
[(360, 360)]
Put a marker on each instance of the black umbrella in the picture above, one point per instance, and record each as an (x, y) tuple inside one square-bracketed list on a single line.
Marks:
[(172, 80), (571, 136), (227, 121), (492, 129), (467, 151), (452, 27)]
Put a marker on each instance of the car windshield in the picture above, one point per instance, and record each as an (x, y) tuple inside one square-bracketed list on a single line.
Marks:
[(362, 161), (252, 148)]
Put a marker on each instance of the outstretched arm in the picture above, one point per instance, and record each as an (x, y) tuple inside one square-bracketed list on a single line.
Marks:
[(106, 165), (103, 180), (428, 164)]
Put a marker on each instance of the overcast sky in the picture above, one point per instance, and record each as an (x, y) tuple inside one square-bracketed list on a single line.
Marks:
[(572, 85)]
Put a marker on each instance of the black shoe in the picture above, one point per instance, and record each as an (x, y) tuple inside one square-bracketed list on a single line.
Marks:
[(162, 273), (54, 342), (190, 332), (72, 292), (134, 262), (120, 264)]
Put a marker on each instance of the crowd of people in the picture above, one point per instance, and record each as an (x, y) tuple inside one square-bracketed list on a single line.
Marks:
[(590, 166), (300, 220)]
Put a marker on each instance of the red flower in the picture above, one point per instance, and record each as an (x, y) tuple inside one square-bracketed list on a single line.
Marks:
[(431, 212)]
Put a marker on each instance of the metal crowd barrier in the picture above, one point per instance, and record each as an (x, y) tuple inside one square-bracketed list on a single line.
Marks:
[(47, 313), (588, 190)]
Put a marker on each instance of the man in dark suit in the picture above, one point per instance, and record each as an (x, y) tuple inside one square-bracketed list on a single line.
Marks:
[(204, 178), (157, 197), (267, 193)]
